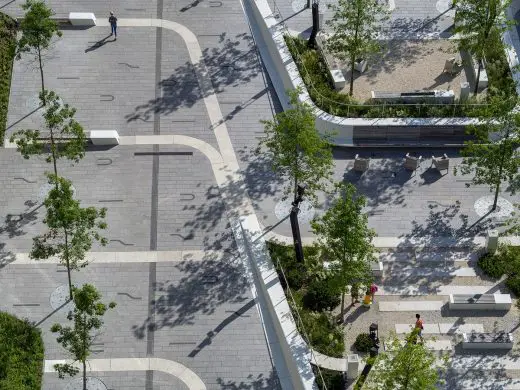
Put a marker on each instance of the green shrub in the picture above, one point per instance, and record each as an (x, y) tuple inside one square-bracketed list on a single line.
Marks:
[(7, 50), (329, 379), (491, 265), (513, 284), (21, 354), (324, 335), (321, 295), (363, 342)]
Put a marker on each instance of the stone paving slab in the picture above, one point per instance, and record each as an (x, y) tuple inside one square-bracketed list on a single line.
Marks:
[(411, 305)]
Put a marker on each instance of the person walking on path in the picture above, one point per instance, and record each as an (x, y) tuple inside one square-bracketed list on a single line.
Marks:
[(354, 293), (373, 290), (419, 326), (113, 24)]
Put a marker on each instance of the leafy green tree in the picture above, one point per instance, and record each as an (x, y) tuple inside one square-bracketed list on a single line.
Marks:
[(494, 155), (37, 29), (87, 316), (346, 240), (475, 20), (355, 28), (72, 228), (66, 136), (406, 365), (296, 148)]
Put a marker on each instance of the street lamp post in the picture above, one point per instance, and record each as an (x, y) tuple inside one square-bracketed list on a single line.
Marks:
[(298, 249), (315, 23)]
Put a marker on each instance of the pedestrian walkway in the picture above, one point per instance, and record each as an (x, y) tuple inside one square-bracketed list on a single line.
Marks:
[(180, 371)]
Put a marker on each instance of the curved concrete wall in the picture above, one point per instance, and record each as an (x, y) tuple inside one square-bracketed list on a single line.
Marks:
[(285, 76)]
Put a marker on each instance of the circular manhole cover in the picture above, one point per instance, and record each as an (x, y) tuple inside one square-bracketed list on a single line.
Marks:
[(305, 215), (60, 297), (93, 383), (483, 207), (445, 7), (298, 5)]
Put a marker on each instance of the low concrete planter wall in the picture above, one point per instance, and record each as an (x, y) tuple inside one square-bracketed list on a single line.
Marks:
[(268, 33)]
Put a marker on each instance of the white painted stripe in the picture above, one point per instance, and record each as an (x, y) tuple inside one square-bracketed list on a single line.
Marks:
[(441, 328), (411, 305), (133, 257), (190, 379)]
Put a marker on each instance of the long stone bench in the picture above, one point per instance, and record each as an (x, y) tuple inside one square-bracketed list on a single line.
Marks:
[(104, 137), (82, 18), (500, 340), (443, 97), (480, 302)]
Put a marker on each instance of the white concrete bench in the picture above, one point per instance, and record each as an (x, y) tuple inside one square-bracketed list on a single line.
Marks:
[(487, 340), (377, 268), (338, 79), (104, 137), (82, 18), (480, 302)]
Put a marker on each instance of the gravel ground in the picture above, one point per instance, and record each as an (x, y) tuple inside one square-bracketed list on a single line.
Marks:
[(406, 66)]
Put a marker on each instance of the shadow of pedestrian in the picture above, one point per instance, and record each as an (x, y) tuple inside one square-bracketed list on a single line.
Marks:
[(99, 44)]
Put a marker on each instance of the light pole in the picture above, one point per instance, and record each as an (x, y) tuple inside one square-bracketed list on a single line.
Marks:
[(298, 249), (315, 22)]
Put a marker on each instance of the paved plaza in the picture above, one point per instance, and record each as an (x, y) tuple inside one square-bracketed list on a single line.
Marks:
[(164, 197)]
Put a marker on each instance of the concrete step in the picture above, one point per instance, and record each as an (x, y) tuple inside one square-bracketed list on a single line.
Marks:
[(411, 305), (434, 345), (441, 290), (430, 272), (441, 328)]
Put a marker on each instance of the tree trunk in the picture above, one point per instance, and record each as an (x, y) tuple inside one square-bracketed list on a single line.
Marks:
[(67, 262), (84, 375), (478, 78), (500, 170), (54, 157), (342, 304), (41, 74), (351, 90)]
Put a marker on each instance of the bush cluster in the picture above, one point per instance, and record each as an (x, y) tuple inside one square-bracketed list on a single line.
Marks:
[(21, 354), (321, 295), (313, 70), (7, 51), (505, 261), (363, 342), (329, 379)]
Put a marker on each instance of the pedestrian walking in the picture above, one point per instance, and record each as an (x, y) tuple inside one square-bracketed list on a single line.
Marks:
[(367, 301), (419, 326), (354, 293), (113, 24), (373, 290)]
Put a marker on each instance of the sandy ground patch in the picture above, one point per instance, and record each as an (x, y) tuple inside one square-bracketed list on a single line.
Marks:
[(407, 66)]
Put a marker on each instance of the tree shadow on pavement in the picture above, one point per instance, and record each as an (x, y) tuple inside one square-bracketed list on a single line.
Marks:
[(232, 63), (14, 224), (253, 382), (202, 288)]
